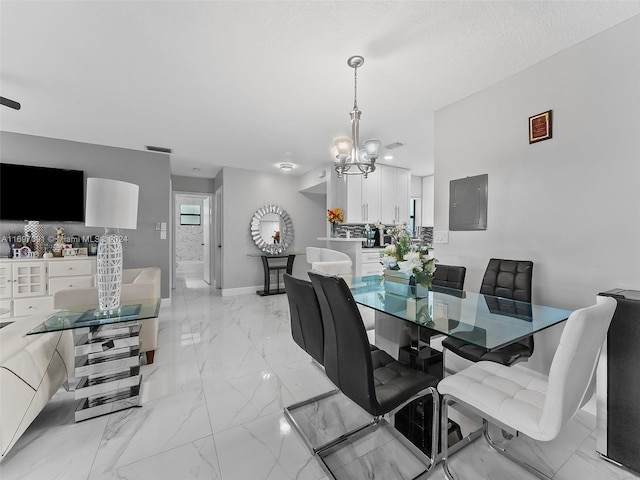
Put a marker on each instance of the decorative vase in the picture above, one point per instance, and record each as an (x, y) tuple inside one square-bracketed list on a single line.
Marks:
[(335, 230), (33, 230)]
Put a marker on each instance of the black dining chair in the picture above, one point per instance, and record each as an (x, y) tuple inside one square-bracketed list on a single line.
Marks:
[(449, 276), (507, 279), (307, 331), (371, 378), (446, 278)]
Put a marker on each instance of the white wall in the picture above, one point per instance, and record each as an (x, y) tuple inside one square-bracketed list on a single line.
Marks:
[(427, 200), (244, 192), (570, 204)]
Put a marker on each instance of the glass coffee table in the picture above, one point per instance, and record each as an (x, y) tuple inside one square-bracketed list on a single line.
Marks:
[(107, 354)]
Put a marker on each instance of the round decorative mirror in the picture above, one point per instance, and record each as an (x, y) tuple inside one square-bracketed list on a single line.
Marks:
[(272, 229)]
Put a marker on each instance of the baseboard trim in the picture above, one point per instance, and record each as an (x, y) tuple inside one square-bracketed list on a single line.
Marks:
[(230, 292)]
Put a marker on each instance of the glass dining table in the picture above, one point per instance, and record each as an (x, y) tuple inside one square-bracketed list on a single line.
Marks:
[(483, 320)]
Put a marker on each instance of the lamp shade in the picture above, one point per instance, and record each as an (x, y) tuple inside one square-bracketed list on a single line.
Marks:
[(111, 204)]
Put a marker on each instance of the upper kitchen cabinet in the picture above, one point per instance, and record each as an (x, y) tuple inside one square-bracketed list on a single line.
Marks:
[(363, 198), (394, 194)]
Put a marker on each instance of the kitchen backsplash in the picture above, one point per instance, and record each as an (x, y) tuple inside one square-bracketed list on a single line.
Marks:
[(355, 231)]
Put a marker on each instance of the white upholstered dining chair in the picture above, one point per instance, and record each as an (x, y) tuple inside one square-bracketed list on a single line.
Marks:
[(516, 401)]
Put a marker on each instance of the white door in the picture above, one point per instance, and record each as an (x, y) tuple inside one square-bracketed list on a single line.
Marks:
[(206, 234), (217, 244)]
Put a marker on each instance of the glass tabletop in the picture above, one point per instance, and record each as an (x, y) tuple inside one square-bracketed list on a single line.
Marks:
[(483, 320), (90, 316)]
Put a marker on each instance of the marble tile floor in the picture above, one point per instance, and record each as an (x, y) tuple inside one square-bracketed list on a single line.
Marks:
[(212, 408)]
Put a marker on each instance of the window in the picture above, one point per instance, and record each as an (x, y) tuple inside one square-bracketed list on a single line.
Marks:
[(189, 214)]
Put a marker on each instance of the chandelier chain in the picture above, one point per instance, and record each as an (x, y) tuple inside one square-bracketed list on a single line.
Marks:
[(355, 88)]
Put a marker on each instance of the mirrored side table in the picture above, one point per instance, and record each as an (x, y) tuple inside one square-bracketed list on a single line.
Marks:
[(107, 354)]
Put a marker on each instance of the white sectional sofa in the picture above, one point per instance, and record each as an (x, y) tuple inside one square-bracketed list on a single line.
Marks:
[(32, 369)]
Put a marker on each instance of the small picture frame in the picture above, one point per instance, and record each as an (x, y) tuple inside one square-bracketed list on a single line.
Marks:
[(540, 127)]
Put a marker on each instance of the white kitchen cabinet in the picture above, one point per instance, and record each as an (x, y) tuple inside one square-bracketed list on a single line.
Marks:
[(394, 194), (27, 285), (363, 198), (370, 264)]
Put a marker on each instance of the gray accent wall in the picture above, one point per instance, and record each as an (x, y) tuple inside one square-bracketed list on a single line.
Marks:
[(571, 204), (151, 171), (244, 192), (192, 184)]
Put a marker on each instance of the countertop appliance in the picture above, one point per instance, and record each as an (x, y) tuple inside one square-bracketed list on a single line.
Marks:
[(618, 384)]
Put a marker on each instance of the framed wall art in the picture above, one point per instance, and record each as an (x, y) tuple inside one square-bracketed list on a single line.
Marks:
[(540, 127)]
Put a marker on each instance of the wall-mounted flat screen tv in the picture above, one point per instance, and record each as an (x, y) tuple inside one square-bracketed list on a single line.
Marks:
[(41, 193)]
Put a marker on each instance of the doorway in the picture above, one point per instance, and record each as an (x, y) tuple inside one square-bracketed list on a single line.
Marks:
[(192, 237)]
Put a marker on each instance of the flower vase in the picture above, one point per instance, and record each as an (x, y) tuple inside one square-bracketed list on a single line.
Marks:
[(335, 230), (421, 283)]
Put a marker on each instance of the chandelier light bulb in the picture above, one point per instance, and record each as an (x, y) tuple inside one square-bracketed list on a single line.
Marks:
[(344, 145)]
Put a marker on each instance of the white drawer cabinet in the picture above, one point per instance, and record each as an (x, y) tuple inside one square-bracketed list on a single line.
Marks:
[(31, 306), (71, 268), (27, 285), (6, 307), (371, 262), (61, 283)]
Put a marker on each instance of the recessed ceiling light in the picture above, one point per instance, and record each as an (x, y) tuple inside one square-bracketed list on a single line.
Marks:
[(388, 157), (286, 167), (393, 145)]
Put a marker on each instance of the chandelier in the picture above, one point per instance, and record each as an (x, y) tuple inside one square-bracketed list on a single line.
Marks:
[(351, 158)]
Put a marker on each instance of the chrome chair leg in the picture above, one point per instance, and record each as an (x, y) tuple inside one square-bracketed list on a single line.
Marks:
[(484, 430), (288, 413), (497, 448)]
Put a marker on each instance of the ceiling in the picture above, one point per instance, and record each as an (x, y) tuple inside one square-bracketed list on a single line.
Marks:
[(251, 84)]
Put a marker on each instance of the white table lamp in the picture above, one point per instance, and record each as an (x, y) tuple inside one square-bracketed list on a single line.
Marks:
[(111, 204)]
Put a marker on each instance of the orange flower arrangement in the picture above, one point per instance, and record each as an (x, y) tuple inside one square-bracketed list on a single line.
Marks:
[(335, 216)]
